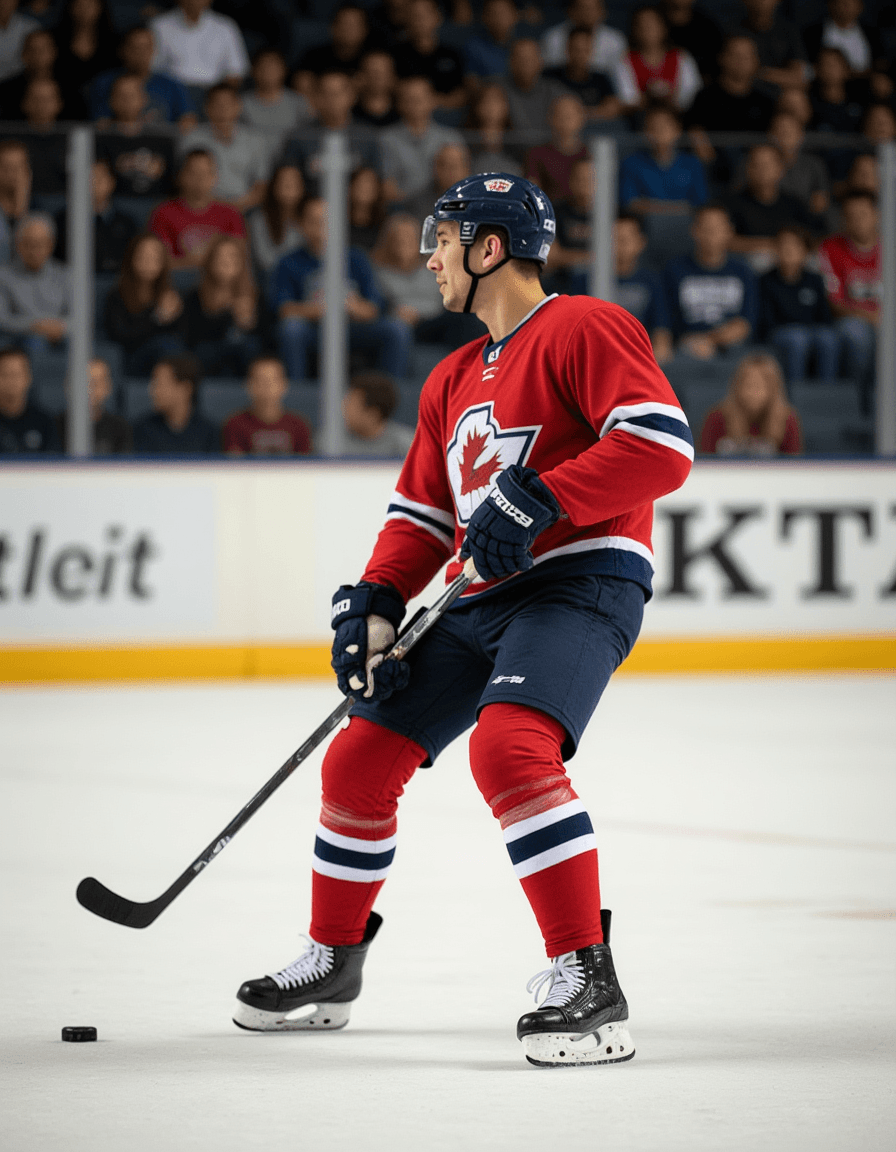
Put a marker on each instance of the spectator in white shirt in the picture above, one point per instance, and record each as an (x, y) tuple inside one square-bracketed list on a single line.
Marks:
[(609, 43), (199, 47), (14, 27), (241, 153)]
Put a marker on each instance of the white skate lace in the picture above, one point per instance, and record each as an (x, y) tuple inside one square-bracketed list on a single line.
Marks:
[(314, 963), (564, 978)]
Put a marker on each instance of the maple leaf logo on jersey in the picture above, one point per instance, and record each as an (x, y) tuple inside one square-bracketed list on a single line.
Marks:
[(478, 453), (473, 475)]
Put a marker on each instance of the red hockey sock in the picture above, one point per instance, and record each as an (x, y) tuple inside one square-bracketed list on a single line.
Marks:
[(517, 764), (364, 774)]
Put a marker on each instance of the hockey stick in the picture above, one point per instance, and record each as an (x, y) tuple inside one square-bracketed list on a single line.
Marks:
[(100, 900)]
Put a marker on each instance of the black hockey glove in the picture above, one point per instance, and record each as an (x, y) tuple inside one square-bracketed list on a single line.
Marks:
[(502, 529), (365, 617)]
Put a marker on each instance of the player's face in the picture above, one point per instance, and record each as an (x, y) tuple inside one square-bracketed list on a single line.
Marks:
[(447, 262)]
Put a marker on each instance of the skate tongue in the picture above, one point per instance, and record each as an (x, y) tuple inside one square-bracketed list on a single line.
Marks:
[(564, 978)]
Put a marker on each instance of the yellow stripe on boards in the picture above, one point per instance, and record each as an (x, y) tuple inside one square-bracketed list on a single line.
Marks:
[(756, 654)]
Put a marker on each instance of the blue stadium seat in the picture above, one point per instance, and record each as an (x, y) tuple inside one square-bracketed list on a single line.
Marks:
[(139, 208), (136, 399), (221, 397), (103, 283), (48, 387), (699, 397), (826, 412), (304, 400), (668, 237), (423, 358), (50, 202), (408, 404)]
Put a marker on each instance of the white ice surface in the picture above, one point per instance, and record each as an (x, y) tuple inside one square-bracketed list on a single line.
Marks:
[(747, 831)]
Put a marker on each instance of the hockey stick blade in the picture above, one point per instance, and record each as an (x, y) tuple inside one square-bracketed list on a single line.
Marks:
[(102, 901), (99, 900)]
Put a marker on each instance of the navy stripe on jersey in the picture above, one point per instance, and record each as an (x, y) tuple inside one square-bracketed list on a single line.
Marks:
[(436, 521), (350, 858), (662, 423), (549, 838)]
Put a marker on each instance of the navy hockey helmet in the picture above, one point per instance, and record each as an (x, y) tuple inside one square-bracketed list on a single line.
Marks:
[(499, 198)]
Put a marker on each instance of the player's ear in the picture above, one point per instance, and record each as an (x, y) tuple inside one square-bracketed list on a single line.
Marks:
[(492, 250)]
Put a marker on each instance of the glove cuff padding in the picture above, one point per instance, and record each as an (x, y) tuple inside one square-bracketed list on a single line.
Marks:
[(527, 498), (365, 599)]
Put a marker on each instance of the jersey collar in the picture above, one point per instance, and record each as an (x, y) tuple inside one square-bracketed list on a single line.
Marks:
[(492, 351)]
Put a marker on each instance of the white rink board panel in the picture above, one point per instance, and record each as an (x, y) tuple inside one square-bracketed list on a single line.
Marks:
[(251, 552)]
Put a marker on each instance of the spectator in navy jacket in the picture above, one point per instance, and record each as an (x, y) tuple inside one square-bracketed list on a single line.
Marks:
[(299, 303), (640, 290), (486, 53), (794, 314), (24, 425), (175, 428), (713, 296), (168, 101), (662, 179)]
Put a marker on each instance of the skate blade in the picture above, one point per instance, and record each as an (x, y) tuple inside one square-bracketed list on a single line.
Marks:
[(609, 1044), (308, 1018)]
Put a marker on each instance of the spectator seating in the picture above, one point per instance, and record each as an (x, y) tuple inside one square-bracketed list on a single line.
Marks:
[(668, 237), (139, 208), (825, 411)]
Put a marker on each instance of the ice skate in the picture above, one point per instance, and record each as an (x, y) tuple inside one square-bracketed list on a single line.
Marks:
[(584, 1017), (314, 993)]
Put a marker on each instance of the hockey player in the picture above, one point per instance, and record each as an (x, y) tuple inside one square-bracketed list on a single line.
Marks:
[(539, 452)]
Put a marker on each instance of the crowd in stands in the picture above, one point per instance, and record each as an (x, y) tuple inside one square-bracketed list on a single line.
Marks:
[(747, 240)]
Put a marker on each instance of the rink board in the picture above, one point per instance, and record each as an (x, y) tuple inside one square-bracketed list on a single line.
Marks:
[(194, 570)]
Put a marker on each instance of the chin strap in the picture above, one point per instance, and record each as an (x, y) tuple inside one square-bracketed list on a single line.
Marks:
[(477, 276)]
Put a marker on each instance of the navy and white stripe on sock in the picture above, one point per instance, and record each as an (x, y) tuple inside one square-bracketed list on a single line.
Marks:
[(549, 838), (350, 858)]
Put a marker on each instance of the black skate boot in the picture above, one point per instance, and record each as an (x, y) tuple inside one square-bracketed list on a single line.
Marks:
[(583, 1019), (323, 981)]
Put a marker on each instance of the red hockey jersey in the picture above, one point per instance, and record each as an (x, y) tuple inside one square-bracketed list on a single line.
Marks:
[(574, 392)]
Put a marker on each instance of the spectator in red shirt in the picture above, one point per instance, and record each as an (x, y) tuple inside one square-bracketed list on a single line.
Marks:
[(654, 69), (266, 428), (754, 419), (851, 265), (550, 165), (188, 225)]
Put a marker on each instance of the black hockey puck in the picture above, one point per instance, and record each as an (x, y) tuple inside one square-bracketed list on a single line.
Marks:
[(78, 1035)]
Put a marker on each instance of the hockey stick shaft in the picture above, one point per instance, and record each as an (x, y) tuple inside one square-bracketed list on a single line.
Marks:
[(100, 900)]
